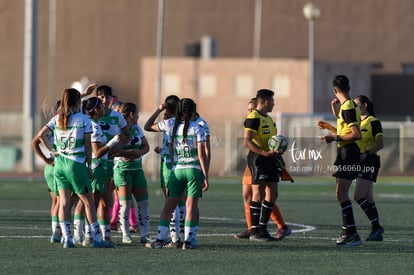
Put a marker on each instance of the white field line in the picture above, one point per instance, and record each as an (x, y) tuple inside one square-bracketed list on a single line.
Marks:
[(297, 228)]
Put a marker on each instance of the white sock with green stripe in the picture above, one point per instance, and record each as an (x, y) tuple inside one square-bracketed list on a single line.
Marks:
[(55, 225), (78, 226), (190, 229), (163, 230), (65, 226), (96, 232)]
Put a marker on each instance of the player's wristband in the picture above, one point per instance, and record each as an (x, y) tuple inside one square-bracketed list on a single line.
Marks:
[(113, 141)]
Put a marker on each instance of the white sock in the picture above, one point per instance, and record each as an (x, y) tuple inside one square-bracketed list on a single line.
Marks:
[(56, 228), (144, 217), (162, 232), (65, 226), (96, 232), (124, 216), (102, 227), (78, 228), (175, 225), (107, 232), (88, 231), (182, 220), (195, 233), (189, 233)]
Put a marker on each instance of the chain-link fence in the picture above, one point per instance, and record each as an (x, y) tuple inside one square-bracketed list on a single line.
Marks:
[(306, 155)]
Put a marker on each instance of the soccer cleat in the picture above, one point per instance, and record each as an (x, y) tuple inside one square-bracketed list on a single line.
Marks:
[(157, 244), (146, 239), (172, 244), (341, 239), (87, 242), (187, 245), (260, 237), (103, 244), (108, 239), (194, 242), (68, 244), (349, 240), (55, 238), (376, 234), (282, 233), (267, 235), (126, 239), (78, 240), (243, 235), (134, 229)]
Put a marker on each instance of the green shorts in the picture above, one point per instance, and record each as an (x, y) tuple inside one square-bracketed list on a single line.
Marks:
[(50, 178), (99, 179), (136, 178), (72, 175), (189, 179), (165, 171)]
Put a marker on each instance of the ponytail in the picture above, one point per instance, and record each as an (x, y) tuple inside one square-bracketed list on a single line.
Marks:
[(365, 100), (69, 100)]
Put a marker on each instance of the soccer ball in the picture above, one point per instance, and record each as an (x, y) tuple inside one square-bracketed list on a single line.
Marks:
[(278, 143)]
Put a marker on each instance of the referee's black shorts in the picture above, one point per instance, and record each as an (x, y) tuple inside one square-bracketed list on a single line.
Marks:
[(369, 168), (263, 169), (347, 163)]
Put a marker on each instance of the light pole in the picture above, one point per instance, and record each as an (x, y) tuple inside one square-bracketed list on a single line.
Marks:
[(158, 82), (29, 82), (311, 12), (256, 40)]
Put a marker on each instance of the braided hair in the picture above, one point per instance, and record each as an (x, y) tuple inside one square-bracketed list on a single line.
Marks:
[(186, 109)]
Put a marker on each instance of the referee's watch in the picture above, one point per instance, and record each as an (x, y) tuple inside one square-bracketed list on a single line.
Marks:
[(338, 138)]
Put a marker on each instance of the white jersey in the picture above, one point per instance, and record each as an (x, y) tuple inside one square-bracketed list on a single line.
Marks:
[(137, 135), (112, 123), (70, 142), (186, 152), (203, 124), (97, 137), (164, 126)]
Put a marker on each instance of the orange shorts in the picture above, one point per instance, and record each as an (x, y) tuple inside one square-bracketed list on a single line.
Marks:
[(247, 176)]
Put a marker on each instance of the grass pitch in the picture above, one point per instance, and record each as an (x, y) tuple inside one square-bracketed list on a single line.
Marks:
[(308, 205)]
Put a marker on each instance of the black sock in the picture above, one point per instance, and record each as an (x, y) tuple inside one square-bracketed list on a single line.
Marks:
[(266, 211), (370, 210), (348, 217), (363, 203), (255, 215), (373, 215)]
